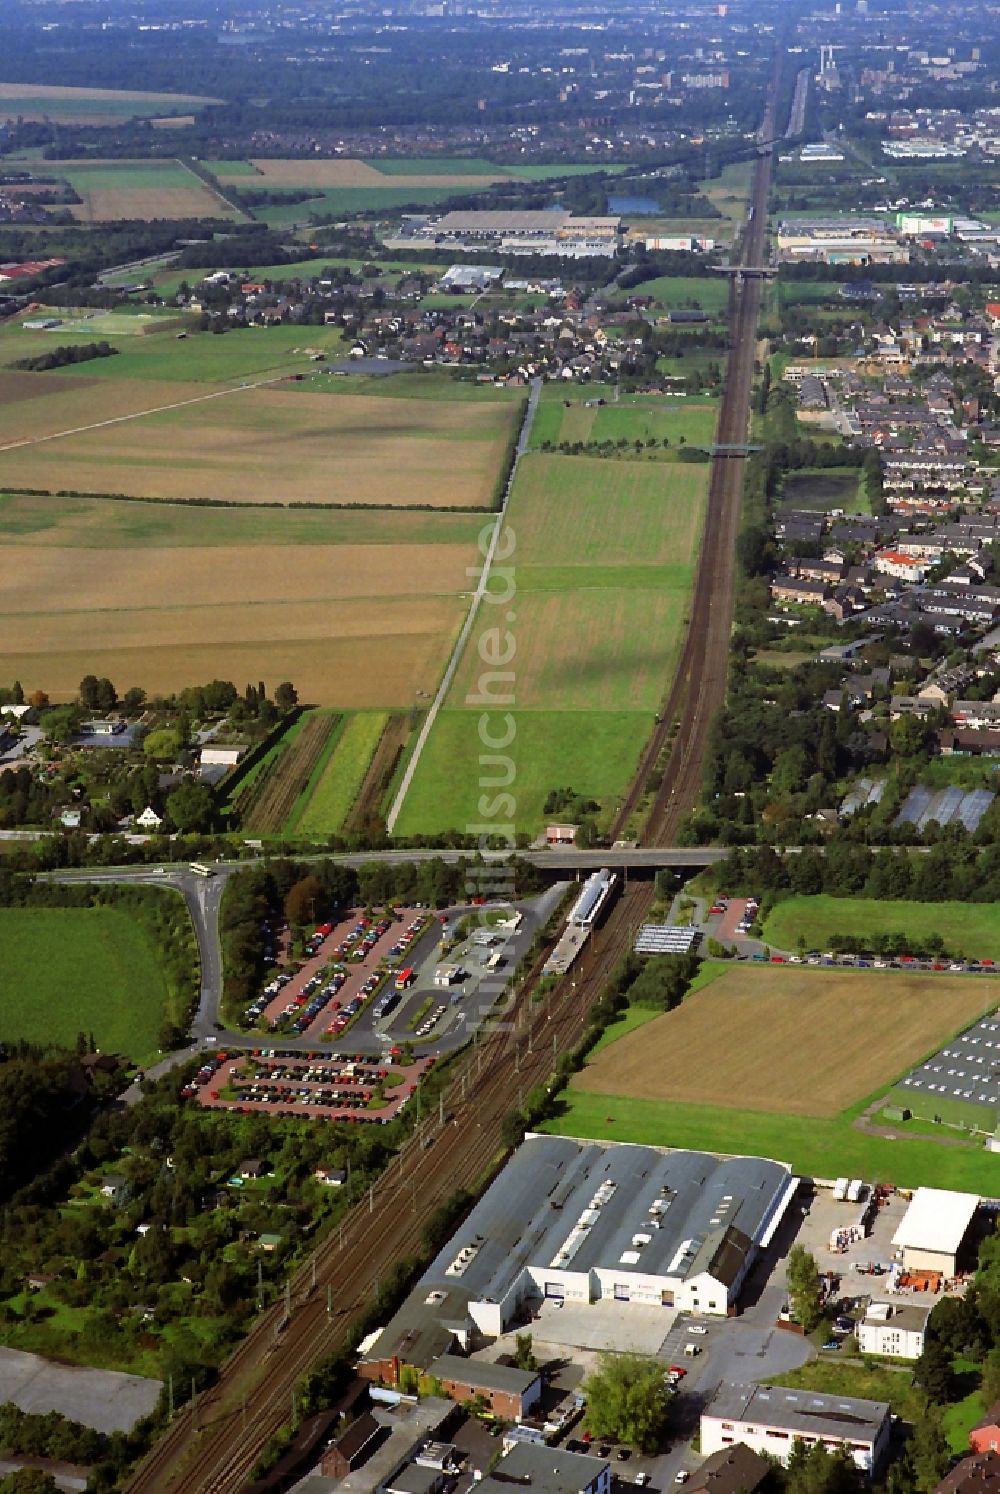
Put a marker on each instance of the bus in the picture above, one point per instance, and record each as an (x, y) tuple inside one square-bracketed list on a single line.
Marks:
[(201, 870), (405, 979)]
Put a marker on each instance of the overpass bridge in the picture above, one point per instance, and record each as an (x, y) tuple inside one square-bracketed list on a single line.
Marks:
[(747, 272)]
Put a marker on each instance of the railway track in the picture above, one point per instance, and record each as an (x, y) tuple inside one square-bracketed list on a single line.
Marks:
[(698, 688), (214, 1446), (211, 1448)]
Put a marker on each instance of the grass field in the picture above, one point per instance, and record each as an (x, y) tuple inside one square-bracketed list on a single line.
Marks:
[(765, 1011), (825, 1148), (678, 421), (92, 106), (602, 553), (112, 190), (340, 201), (201, 357), (251, 445), (969, 930), (106, 524), (67, 970), (594, 752), (688, 293), (333, 795)]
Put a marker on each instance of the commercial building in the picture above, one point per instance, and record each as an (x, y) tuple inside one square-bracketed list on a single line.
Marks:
[(894, 1330), (548, 1470), (549, 231), (934, 1228), (585, 1223), (771, 1419), (509, 1392)]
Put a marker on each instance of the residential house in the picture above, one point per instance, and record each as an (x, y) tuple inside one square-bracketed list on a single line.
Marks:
[(977, 1474), (985, 1435)]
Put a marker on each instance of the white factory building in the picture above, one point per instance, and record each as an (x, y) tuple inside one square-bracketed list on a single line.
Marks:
[(771, 1419), (893, 1330), (583, 1222), (933, 1230)]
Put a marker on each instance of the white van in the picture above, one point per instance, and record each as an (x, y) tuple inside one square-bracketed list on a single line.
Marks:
[(691, 1350)]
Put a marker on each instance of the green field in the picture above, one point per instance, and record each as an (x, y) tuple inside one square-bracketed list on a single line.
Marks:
[(679, 421), (594, 752), (107, 524), (341, 201), (333, 796), (91, 105), (67, 970), (434, 166), (969, 930), (602, 557), (201, 357), (814, 1147), (686, 292)]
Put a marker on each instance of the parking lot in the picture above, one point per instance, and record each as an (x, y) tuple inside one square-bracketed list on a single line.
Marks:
[(346, 964), (328, 1086)]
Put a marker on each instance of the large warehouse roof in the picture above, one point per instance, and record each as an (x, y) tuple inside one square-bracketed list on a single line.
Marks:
[(936, 1220), (571, 1206)]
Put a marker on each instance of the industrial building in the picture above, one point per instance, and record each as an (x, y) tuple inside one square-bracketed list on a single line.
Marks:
[(549, 231), (771, 1419), (934, 1229), (548, 1470), (894, 1330), (584, 1223), (841, 241)]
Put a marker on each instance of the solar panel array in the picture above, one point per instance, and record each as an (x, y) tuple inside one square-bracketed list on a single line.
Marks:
[(968, 1069), (946, 806), (665, 938)]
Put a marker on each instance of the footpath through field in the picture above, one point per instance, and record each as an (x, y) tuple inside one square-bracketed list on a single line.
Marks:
[(179, 404), (523, 442)]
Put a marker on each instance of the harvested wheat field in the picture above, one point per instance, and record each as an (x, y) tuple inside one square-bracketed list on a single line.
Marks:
[(798, 1042), (367, 653), (259, 445), (111, 204), (345, 173)]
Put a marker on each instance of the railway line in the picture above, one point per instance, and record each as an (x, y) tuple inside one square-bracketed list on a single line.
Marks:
[(213, 1447), (699, 684)]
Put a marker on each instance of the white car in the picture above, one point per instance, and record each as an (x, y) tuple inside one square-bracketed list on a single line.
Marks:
[(698, 1328), (681, 1476)]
